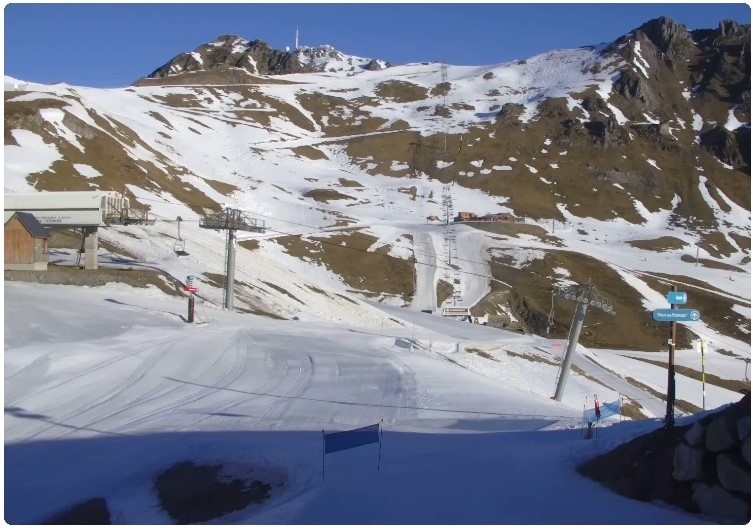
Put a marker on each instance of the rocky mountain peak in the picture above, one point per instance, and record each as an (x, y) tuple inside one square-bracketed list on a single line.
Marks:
[(665, 33), (229, 58), (732, 29)]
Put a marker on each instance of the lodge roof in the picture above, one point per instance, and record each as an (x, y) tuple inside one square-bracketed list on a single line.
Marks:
[(31, 224)]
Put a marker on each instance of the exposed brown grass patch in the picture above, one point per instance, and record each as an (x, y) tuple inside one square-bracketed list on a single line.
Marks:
[(531, 301), (400, 91), (180, 101), (711, 264), (221, 187), (631, 410), (531, 357), (716, 244), (309, 152), (244, 299), (398, 125), (441, 89), (372, 273), (444, 290), (107, 153), (250, 245), (375, 154), (343, 116), (348, 183), (665, 243), (742, 240), (481, 353), (738, 386), (283, 291), (326, 195)]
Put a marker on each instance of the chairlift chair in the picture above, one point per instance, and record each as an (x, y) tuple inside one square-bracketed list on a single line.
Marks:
[(180, 248), (180, 244)]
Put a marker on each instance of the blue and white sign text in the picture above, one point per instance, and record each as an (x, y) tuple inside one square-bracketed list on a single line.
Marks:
[(676, 315)]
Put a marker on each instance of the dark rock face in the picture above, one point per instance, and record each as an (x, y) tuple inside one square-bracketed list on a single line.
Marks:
[(723, 144), (672, 40), (229, 51), (510, 114), (701, 468), (373, 66)]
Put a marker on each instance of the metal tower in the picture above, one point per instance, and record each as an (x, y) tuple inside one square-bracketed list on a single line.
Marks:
[(443, 70), (451, 274), (231, 220), (584, 295)]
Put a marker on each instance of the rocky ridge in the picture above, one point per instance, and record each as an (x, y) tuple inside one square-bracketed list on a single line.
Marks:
[(230, 55)]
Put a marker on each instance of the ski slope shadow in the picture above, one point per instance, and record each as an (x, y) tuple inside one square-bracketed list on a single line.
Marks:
[(411, 478)]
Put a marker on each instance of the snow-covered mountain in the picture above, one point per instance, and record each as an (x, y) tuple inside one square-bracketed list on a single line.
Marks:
[(624, 164), (234, 56), (639, 144)]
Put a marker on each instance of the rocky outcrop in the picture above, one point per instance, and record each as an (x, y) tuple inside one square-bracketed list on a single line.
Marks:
[(673, 41), (509, 114), (230, 52), (724, 146)]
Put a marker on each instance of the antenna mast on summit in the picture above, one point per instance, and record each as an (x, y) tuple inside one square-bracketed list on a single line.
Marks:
[(296, 38)]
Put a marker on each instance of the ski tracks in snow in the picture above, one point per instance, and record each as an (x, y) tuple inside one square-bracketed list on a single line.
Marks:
[(225, 380)]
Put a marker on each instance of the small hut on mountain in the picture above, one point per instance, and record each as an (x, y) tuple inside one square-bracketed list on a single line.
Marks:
[(25, 243)]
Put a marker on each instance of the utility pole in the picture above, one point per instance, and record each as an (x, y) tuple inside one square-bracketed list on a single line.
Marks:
[(702, 344), (669, 419), (231, 220), (584, 295)]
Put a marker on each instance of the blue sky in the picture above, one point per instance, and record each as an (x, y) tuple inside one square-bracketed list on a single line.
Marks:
[(112, 45)]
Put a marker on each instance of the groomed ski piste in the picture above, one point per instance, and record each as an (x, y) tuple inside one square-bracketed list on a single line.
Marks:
[(106, 387)]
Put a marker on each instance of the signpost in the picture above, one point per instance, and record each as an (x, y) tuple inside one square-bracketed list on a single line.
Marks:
[(676, 315), (677, 297), (190, 288), (701, 345), (673, 315)]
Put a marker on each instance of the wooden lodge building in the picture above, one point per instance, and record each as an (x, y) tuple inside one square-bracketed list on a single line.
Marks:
[(26, 243)]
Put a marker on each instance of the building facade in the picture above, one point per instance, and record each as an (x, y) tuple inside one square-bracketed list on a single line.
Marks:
[(26, 243)]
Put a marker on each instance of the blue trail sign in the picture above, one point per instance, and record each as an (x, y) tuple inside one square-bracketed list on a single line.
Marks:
[(676, 314), (677, 297)]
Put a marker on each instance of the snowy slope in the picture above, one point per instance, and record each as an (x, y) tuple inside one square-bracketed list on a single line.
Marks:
[(114, 387), (105, 387)]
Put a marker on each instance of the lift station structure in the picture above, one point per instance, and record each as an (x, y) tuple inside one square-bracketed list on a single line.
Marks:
[(81, 211)]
